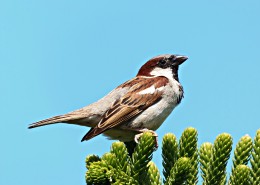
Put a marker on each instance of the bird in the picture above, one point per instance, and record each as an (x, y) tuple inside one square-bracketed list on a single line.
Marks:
[(134, 107)]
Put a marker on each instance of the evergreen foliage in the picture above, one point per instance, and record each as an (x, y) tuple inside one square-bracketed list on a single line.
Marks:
[(205, 153), (181, 162), (241, 157), (169, 153), (216, 173), (154, 174), (255, 160), (188, 147)]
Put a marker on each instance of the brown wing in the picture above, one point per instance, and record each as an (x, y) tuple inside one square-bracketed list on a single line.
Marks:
[(130, 105)]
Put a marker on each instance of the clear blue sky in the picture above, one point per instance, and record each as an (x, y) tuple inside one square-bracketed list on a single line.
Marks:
[(57, 56)]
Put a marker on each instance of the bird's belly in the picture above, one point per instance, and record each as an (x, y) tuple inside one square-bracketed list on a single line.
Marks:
[(154, 116), (120, 134), (151, 119)]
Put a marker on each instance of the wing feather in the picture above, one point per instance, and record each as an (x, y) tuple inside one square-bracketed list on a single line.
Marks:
[(129, 106)]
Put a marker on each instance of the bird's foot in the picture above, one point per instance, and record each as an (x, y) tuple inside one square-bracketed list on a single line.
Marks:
[(137, 136)]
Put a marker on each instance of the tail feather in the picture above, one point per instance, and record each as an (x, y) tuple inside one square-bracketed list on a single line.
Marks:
[(91, 133), (52, 120)]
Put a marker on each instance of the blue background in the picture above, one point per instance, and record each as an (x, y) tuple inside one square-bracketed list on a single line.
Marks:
[(58, 56)]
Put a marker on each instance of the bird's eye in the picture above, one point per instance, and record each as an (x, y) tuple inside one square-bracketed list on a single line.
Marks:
[(162, 62)]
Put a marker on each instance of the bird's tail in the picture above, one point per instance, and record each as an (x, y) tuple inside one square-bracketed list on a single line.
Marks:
[(55, 119)]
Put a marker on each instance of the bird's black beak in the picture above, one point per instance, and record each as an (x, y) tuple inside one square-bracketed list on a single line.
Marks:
[(179, 59)]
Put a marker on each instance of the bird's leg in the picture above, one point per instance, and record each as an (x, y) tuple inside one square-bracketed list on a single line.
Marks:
[(137, 136)]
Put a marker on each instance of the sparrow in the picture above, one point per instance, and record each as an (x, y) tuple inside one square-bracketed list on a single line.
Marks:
[(138, 105)]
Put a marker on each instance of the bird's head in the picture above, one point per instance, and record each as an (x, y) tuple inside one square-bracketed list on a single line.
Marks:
[(163, 65)]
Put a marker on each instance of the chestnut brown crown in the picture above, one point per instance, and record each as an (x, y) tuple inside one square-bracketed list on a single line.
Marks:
[(163, 61)]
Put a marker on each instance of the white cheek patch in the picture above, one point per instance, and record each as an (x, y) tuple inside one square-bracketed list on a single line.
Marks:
[(149, 90), (162, 72)]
